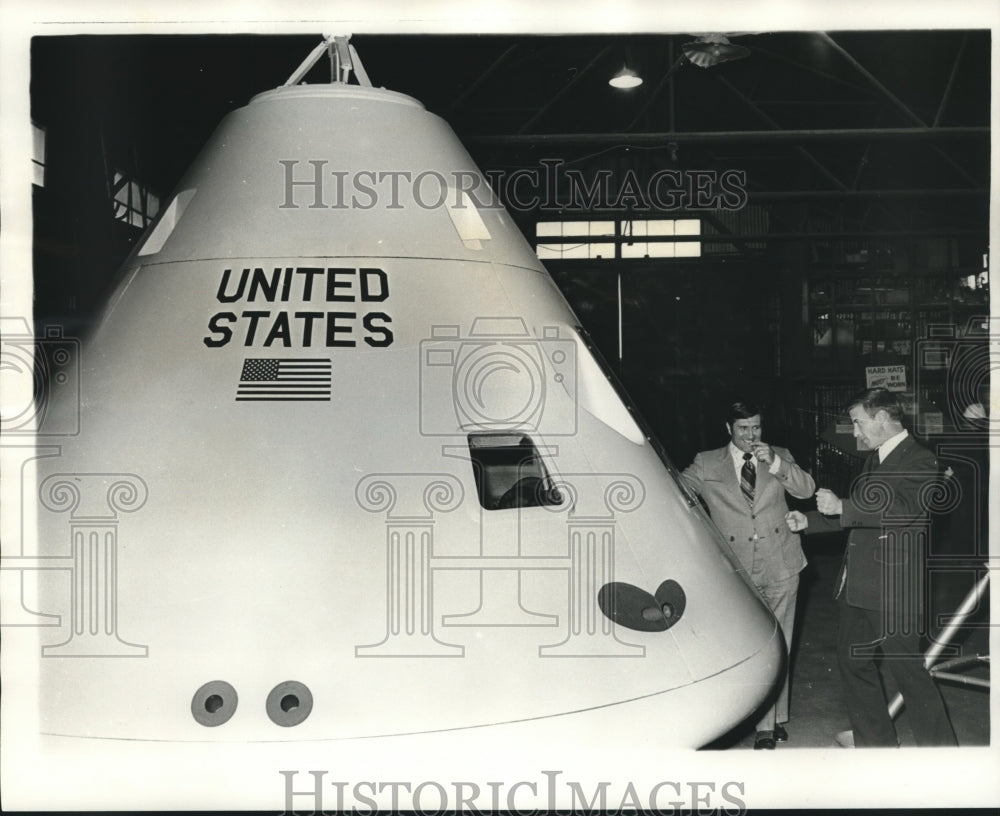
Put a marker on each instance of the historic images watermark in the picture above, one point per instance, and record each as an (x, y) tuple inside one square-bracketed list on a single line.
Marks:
[(312, 792), (550, 187)]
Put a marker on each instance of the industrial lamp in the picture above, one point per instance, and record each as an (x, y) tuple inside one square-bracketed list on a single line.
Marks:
[(712, 49), (625, 78)]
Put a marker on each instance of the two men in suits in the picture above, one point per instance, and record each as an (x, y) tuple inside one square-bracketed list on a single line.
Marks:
[(881, 584), (743, 485)]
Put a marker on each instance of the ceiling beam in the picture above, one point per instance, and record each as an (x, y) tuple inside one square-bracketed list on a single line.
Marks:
[(722, 229), (717, 136), (868, 75), (809, 158), (666, 81), (460, 99), (812, 69), (951, 80), (717, 238), (806, 195), (564, 90), (900, 106)]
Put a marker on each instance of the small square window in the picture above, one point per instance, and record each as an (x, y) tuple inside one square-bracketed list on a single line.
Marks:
[(510, 473)]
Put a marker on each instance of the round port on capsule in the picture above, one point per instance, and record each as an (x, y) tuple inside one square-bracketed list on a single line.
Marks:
[(289, 703), (214, 703)]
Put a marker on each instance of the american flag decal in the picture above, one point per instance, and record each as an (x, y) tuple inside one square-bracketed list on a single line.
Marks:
[(274, 380)]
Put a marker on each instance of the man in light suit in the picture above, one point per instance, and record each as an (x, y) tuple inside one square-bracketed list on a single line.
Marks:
[(743, 485), (881, 583)]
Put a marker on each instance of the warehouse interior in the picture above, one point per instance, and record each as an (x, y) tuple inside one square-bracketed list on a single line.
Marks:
[(779, 216)]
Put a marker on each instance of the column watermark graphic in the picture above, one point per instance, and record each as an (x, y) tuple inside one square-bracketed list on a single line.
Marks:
[(906, 531), (94, 502), (16, 567), (410, 503), (415, 625)]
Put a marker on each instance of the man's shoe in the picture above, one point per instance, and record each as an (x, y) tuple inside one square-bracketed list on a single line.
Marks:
[(845, 739), (780, 734), (764, 741)]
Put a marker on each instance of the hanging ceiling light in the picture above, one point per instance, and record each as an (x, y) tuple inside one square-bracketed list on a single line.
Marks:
[(711, 49), (625, 78)]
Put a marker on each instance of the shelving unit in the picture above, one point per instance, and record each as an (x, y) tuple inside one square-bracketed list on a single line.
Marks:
[(877, 305)]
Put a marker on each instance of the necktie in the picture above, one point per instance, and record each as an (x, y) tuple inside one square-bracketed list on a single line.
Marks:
[(748, 478)]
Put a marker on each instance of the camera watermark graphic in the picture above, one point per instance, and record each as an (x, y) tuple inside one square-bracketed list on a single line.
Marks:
[(579, 529), (953, 367), (94, 502), (552, 186), (17, 462), (32, 372), (497, 377), (318, 791)]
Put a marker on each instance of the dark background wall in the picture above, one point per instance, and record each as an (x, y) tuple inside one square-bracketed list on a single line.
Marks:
[(865, 154)]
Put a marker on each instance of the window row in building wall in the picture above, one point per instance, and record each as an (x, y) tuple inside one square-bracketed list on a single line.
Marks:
[(647, 238), (133, 203)]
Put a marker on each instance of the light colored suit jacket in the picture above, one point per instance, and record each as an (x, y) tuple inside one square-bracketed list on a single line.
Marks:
[(759, 536)]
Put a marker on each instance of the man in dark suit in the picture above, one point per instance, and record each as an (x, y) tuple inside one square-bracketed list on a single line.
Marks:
[(881, 583), (743, 485)]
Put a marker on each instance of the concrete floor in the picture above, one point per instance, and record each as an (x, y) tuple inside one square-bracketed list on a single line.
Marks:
[(817, 707)]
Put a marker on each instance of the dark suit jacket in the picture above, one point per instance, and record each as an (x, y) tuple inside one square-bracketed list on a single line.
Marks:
[(760, 538), (889, 527)]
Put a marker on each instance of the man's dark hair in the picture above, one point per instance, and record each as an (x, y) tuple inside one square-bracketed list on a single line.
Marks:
[(879, 399), (741, 410)]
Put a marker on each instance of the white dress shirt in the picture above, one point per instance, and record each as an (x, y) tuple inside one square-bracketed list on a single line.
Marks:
[(890, 444)]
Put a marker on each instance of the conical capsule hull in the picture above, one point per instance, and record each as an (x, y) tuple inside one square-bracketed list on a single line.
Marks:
[(346, 467)]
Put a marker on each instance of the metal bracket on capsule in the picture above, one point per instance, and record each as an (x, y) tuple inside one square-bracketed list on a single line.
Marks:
[(343, 60)]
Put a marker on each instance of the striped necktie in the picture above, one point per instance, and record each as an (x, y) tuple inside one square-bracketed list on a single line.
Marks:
[(748, 478)]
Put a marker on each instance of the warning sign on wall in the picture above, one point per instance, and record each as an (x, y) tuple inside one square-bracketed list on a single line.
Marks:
[(892, 377)]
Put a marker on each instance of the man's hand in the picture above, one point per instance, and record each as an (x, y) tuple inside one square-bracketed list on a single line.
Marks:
[(796, 521), (763, 452), (827, 502)]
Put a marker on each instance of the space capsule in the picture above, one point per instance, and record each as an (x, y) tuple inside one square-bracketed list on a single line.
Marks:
[(339, 466)]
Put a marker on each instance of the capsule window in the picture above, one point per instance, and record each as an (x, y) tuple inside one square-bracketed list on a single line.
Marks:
[(510, 472), (168, 222)]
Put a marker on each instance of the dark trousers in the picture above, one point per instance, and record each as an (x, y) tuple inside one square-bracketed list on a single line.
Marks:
[(859, 674)]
